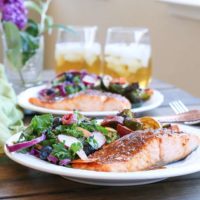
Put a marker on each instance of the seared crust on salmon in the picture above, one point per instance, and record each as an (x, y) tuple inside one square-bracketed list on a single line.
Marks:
[(141, 150), (89, 100)]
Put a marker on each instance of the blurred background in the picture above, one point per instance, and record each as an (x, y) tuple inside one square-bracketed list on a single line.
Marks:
[(175, 40)]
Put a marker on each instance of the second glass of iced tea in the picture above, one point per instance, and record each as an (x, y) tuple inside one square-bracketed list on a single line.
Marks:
[(127, 54), (78, 49)]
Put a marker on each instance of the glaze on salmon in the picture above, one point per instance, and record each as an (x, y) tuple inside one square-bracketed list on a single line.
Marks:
[(89, 100), (141, 150)]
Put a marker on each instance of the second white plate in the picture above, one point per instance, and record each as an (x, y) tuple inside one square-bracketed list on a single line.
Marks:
[(23, 100)]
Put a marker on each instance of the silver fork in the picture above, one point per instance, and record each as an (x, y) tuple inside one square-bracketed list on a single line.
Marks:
[(179, 107)]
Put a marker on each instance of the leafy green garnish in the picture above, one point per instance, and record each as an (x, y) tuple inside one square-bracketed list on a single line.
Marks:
[(40, 123), (75, 147), (92, 142), (111, 136), (60, 151), (68, 130), (70, 89), (93, 126), (76, 79)]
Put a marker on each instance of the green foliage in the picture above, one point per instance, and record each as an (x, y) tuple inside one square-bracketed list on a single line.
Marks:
[(75, 147), (111, 136), (60, 151), (22, 45), (30, 46), (92, 142), (41, 122), (70, 130), (32, 28), (14, 44), (93, 126)]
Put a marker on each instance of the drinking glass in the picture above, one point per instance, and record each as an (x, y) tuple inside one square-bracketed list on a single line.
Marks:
[(127, 54), (78, 49)]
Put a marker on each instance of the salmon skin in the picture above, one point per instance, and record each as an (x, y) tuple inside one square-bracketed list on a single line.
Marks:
[(89, 100), (141, 150)]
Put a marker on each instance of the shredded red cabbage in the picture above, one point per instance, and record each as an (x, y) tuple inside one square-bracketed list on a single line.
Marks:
[(51, 158), (62, 90), (26, 144), (64, 162), (35, 152)]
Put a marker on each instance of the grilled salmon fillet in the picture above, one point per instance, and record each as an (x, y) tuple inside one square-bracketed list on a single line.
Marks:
[(89, 100), (141, 150)]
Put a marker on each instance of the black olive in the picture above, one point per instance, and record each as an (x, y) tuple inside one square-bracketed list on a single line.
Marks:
[(88, 149), (45, 151), (57, 121)]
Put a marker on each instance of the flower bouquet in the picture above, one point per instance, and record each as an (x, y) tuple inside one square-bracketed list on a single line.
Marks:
[(23, 39)]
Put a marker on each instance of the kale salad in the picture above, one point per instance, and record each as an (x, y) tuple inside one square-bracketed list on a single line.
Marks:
[(72, 82), (61, 140)]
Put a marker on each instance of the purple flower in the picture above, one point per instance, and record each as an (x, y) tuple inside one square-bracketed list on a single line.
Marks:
[(14, 11)]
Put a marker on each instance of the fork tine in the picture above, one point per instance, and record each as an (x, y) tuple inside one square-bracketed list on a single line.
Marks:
[(174, 108), (183, 106), (178, 107)]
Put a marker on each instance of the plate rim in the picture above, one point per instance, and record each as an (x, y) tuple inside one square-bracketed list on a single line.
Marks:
[(93, 175), (23, 102)]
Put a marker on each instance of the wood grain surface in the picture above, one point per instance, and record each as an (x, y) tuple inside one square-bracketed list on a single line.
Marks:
[(18, 182)]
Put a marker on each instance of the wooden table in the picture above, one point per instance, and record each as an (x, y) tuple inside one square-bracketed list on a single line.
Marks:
[(18, 182)]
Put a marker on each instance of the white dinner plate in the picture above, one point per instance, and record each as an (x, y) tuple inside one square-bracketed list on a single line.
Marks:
[(189, 165), (23, 100)]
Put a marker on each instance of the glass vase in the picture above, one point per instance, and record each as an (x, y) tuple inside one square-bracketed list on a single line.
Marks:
[(29, 74)]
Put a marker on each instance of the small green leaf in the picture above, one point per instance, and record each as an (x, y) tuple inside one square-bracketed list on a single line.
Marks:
[(32, 28), (41, 123), (14, 44), (60, 151), (75, 147), (30, 45)]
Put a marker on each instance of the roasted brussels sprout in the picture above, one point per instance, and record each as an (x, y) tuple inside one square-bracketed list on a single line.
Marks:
[(116, 88), (134, 97), (133, 124), (126, 113)]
